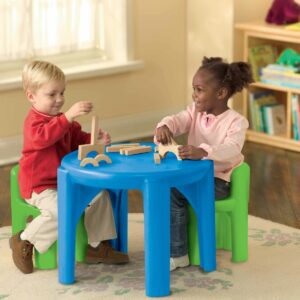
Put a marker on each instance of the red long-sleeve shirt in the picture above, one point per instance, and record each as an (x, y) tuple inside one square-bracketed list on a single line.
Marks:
[(47, 139)]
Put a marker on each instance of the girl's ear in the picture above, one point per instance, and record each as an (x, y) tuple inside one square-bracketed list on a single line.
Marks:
[(222, 93)]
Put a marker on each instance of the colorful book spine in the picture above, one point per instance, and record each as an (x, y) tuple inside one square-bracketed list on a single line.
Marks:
[(257, 99), (296, 117), (274, 116)]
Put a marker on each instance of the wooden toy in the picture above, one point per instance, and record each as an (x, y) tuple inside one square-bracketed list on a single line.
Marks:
[(136, 150), (156, 157), (95, 161), (118, 147), (89, 160), (164, 149), (83, 150)]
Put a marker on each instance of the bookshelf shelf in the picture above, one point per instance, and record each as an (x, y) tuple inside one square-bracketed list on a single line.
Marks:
[(272, 140), (259, 33), (275, 87)]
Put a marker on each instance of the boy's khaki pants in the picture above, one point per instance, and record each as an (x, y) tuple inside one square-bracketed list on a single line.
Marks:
[(42, 231)]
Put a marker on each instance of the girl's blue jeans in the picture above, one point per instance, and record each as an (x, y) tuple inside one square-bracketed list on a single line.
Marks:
[(179, 216)]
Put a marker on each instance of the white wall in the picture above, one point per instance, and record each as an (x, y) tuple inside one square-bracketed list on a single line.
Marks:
[(209, 33)]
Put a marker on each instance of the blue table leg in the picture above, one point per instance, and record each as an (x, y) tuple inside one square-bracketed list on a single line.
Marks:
[(157, 238), (206, 223), (123, 221), (66, 228), (201, 197)]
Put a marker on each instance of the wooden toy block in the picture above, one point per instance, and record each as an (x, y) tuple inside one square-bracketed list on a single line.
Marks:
[(89, 160), (137, 150), (104, 157), (164, 149), (95, 161), (118, 147), (126, 145), (122, 151), (156, 158), (83, 150)]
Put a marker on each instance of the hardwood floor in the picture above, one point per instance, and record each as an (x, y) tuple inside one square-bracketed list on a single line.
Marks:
[(274, 194), (275, 184)]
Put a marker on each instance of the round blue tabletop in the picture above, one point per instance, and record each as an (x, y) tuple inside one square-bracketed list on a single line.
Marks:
[(138, 167)]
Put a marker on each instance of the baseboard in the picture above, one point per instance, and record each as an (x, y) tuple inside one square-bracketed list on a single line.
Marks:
[(121, 129)]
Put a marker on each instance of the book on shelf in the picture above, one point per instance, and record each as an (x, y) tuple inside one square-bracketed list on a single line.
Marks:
[(257, 99), (296, 117), (261, 56), (274, 118), (281, 75)]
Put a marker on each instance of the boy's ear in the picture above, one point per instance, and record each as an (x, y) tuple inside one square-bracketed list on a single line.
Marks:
[(222, 93), (29, 95)]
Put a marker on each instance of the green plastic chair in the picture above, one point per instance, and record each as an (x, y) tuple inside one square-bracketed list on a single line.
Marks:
[(231, 220), (21, 212)]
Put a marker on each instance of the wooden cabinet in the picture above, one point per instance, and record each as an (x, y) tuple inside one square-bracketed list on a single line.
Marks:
[(259, 33)]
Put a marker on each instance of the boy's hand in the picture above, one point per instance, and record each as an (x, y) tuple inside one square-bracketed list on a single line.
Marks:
[(191, 152), (164, 135), (105, 136), (79, 109)]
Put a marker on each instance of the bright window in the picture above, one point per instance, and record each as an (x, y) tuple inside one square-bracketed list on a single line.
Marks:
[(67, 32)]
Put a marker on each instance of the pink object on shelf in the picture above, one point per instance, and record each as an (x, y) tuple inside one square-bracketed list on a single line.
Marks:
[(283, 12)]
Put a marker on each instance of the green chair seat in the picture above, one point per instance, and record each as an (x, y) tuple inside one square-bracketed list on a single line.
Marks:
[(21, 212)]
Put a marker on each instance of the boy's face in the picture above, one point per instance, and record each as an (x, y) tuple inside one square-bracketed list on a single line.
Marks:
[(49, 98)]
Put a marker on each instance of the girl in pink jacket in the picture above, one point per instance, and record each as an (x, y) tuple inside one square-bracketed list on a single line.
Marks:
[(215, 132)]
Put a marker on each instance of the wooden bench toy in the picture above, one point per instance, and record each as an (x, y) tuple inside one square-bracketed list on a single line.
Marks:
[(164, 149)]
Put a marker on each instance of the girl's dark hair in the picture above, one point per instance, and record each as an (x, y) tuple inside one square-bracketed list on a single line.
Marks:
[(234, 76)]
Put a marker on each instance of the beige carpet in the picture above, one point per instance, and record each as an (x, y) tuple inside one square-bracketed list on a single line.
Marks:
[(272, 271)]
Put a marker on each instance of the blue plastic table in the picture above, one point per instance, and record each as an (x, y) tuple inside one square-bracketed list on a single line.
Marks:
[(195, 179)]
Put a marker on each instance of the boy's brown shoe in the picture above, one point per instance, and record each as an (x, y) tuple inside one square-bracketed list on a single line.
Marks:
[(21, 253), (104, 253)]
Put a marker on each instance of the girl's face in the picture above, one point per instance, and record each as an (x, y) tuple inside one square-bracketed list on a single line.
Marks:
[(49, 98), (206, 94)]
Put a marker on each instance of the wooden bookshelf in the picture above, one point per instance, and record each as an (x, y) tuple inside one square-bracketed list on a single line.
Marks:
[(260, 33)]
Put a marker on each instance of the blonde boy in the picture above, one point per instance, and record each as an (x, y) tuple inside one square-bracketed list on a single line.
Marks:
[(48, 136)]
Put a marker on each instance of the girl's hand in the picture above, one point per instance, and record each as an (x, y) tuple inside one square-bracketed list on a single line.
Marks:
[(104, 136), (78, 109), (191, 152), (164, 135)]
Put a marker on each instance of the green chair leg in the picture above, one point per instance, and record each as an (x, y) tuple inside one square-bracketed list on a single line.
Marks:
[(47, 260), (223, 231), (193, 244), (239, 238), (81, 240)]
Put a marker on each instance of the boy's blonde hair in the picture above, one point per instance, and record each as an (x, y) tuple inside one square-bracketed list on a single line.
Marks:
[(36, 73)]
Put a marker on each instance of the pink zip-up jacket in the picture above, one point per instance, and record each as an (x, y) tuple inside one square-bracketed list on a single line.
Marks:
[(222, 136)]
